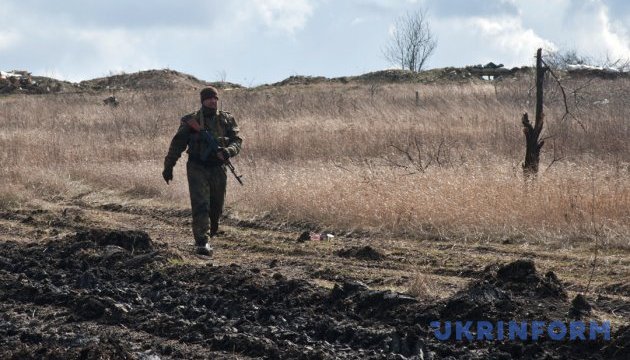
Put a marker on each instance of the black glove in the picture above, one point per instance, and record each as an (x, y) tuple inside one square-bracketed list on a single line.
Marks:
[(225, 153), (167, 174)]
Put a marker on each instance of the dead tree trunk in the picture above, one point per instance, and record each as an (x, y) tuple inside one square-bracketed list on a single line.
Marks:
[(532, 133)]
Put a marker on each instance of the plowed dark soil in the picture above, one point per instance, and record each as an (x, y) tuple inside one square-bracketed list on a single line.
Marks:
[(97, 293)]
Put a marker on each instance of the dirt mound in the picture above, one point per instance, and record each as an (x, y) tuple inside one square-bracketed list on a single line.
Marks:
[(361, 253), (301, 80), (23, 82), (448, 74), (507, 292), (151, 80), (130, 240), (580, 307), (116, 294), (390, 76)]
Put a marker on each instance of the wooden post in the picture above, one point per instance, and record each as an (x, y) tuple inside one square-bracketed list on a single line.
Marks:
[(417, 98), (532, 133)]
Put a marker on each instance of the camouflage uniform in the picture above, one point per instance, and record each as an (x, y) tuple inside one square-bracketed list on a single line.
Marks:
[(206, 179)]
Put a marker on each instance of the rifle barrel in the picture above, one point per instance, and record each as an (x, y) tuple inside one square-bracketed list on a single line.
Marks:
[(231, 167)]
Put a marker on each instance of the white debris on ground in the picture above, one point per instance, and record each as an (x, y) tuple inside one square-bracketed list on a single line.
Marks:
[(23, 82)]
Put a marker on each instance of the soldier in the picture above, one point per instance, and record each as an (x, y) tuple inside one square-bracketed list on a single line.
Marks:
[(206, 170)]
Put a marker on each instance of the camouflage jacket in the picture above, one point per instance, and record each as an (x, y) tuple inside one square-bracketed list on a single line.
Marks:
[(221, 125)]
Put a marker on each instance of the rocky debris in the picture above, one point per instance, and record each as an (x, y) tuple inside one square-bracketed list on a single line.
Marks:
[(492, 65), (104, 293), (17, 81), (489, 65), (584, 67), (449, 74), (23, 82), (361, 253), (604, 72), (491, 69)]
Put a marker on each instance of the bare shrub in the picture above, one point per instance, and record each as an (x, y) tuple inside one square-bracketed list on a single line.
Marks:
[(423, 287)]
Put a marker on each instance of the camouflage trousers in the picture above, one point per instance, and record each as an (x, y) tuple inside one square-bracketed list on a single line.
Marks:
[(206, 185)]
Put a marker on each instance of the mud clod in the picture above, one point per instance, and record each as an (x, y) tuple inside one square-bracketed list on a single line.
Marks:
[(506, 292), (361, 253), (579, 307), (518, 271), (304, 236), (130, 240)]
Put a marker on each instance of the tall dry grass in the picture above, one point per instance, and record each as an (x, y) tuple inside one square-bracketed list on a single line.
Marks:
[(349, 156)]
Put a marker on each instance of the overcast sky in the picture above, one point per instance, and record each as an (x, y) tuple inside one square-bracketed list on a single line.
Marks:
[(262, 41)]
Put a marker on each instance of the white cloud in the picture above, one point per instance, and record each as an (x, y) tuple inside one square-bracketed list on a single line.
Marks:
[(593, 28), (614, 35), (507, 35), (284, 15)]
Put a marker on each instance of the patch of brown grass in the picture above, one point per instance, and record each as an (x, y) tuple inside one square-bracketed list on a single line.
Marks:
[(422, 287)]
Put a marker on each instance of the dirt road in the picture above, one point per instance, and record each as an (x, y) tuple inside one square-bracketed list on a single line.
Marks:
[(86, 281)]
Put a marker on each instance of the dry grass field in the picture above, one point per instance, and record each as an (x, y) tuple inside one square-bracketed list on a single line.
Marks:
[(435, 189), (350, 157)]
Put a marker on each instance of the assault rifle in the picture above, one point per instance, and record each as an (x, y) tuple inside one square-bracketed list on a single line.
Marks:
[(212, 147)]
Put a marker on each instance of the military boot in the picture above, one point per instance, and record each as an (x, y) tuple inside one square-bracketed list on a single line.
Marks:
[(214, 228), (203, 248)]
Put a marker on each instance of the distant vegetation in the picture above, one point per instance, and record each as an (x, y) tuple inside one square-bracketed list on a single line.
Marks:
[(411, 42)]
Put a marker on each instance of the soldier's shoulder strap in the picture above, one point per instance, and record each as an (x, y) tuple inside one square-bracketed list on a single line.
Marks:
[(192, 120), (228, 118)]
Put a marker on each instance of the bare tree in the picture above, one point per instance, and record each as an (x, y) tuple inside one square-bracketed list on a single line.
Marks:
[(560, 59), (411, 42)]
